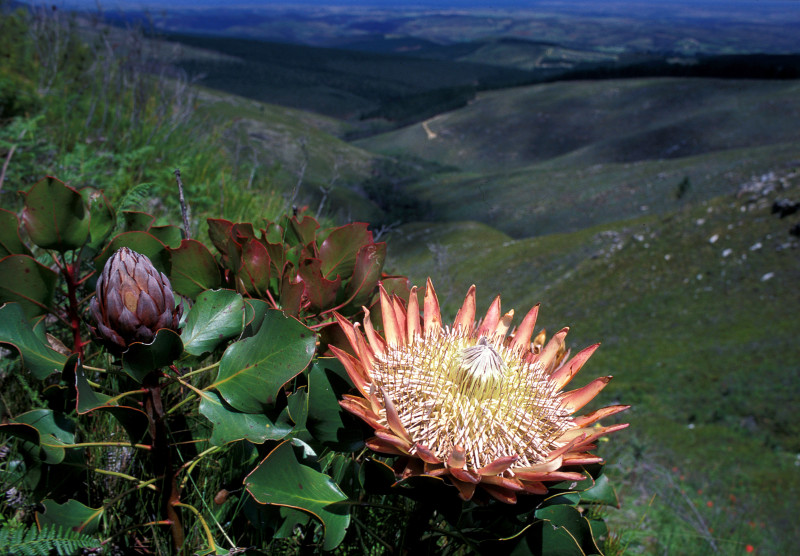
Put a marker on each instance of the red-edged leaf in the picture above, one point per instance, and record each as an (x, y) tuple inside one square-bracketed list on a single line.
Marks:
[(255, 267), (302, 231), (340, 249), (291, 291), (320, 292), (10, 242), (28, 282), (194, 269), (367, 272), (219, 230), (56, 216)]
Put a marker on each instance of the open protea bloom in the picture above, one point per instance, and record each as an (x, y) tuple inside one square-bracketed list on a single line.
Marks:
[(472, 401)]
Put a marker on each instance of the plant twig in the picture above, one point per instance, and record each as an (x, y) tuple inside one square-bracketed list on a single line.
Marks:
[(8, 159), (142, 484), (209, 536), (184, 207), (161, 457)]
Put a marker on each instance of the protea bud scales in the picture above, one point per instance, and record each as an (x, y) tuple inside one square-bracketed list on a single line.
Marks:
[(133, 301)]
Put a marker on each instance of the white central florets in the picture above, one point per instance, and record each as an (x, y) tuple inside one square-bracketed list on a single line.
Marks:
[(450, 389), (480, 370)]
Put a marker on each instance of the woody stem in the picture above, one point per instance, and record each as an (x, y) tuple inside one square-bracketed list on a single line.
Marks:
[(161, 457)]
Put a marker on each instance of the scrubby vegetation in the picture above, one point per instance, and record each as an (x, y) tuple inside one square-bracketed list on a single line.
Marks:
[(93, 106)]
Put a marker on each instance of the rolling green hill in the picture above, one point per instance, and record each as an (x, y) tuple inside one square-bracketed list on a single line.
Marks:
[(598, 122), (342, 83), (565, 156)]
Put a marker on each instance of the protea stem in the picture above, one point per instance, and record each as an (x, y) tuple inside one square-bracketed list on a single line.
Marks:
[(70, 272), (162, 458)]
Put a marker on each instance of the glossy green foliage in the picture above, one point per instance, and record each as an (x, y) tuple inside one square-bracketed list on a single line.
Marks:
[(37, 356), (280, 479), (217, 316), (252, 370), (231, 425), (46, 434), (194, 269), (72, 514)]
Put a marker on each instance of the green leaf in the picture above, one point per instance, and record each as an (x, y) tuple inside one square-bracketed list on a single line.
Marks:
[(52, 432), (252, 370), (601, 493), (55, 216), (300, 232), (281, 480), (327, 421), (562, 498), (565, 531), (217, 316), (71, 514), (88, 399), (141, 242), (231, 425), (36, 355), (377, 477), (28, 282), (219, 230), (254, 311), (291, 520), (140, 359), (169, 235), (194, 269), (10, 242), (296, 412), (133, 420), (135, 220), (599, 529), (103, 217)]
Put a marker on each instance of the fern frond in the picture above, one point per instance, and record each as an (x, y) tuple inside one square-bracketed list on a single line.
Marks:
[(135, 197), (26, 541)]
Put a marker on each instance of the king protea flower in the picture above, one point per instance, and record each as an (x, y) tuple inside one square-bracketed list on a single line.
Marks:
[(472, 402)]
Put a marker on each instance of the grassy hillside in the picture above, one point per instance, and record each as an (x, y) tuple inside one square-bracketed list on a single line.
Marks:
[(343, 83), (545, 58), (697, 312), (299, 152), (604, 121), (565, 156)]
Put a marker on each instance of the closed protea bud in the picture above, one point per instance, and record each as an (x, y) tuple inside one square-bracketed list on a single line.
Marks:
[(133, 300)]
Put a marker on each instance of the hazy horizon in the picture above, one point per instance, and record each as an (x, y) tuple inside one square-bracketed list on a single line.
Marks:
[(429, 4)]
